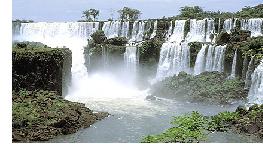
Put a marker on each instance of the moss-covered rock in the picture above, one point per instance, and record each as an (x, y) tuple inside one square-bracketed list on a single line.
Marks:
[(98, 37), (39, 67), (117, 41), (211, 87), (42, 115), (195, 47)]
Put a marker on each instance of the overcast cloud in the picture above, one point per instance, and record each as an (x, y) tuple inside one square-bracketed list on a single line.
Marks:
[(71, 10)]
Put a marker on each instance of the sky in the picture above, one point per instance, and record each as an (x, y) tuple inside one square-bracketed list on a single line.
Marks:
[(71, 10)]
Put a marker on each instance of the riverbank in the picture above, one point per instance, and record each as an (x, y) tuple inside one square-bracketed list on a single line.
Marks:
[(42, 115), (195, 127)]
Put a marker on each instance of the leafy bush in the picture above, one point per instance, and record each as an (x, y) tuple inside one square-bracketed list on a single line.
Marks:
[(118, 41), (186, 128), (98, 37)]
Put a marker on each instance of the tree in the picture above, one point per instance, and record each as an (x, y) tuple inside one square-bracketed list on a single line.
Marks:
[(191, 12), (127, 13), (91, 13)]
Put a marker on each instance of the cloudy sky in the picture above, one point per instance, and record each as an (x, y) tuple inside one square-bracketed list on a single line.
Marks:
[(71, 10)]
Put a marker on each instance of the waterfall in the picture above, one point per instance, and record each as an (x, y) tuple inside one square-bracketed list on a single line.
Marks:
[(197, 31), (131, 58), (249, 73), (210, 30), (125, 29), (233, 69), (170, 30), (254, 25), (175, 54), (228, 25), (200, 61), (244, 69), (178, 31), (213, 60), (154, 30), (256, 90), (174, 58), (137, 31), (70, 34)]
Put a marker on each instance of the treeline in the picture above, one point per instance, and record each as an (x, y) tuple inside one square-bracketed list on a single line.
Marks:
[(196, 12)]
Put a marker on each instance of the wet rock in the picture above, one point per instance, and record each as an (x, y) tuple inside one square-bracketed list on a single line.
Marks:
[(241, 110), (40, 116)]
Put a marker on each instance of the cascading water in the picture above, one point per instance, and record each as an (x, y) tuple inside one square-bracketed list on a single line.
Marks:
[(178, 31), (154, 30), (200, 61), (170, 30), (125, 29), (131, 59), (254, 25), (197, 31), (137, 31), (250, 70), (71, 35), (256, 90), (210, 30), (228, 25), (175, 54), (233, 69), (213, 60)]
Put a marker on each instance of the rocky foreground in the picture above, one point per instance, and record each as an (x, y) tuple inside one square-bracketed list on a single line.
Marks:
[(42, 115)]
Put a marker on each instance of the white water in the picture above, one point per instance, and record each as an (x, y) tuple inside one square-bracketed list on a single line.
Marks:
[(233, 69), (200, 61), (154, 30), (170, 30), (256, 90), (213, 60), (137, 31), (210, 30), (228, 25), (174, 55), (254, 25), (101, 91), (249, 72), (197, 31)]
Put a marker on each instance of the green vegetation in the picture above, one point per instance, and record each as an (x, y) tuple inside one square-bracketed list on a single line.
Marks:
[(36, 66), (150, 51), (42, 115), (129, 14), (250, 12), (195, 127), (196, 12), (98, 37), (186, 129), (195, 47), (91, 14), (212, 87)]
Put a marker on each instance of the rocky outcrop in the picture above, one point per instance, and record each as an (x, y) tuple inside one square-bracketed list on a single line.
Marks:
[(211, 87), (42, 115), (37, 67)]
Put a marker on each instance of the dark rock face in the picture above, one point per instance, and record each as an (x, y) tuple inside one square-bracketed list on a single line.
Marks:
[(42, 115), (250, 121), (41, 68), (211, 87)]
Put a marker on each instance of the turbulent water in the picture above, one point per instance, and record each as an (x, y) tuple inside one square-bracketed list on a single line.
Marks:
[(175, 54), (213, 60), (234, 63), (256, 89), (254, 25)]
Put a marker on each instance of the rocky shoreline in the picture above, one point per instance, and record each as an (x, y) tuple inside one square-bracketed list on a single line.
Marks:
[(42, 115)]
